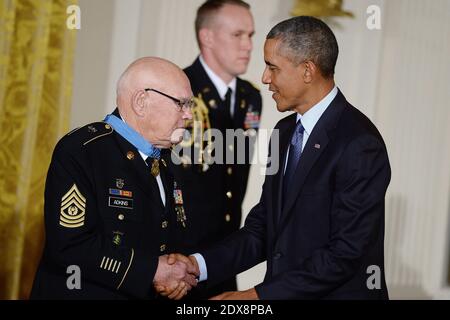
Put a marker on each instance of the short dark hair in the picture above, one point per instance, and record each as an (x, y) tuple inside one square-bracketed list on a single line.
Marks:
[(209, 8), (307, 38)]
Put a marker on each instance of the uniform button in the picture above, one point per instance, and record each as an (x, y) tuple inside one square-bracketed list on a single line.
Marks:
[(162, 247), (230, 171), (229, 194), (277, 255), (107, 126), (227, 217), (120, 217), (164, 224)]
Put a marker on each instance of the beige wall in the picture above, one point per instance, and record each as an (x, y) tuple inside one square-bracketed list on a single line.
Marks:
[(398, 76)]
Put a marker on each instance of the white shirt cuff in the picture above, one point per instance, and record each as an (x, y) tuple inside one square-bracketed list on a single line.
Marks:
[(202, 266)]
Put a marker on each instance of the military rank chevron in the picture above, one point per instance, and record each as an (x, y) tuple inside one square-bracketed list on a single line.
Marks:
[(73, 208)]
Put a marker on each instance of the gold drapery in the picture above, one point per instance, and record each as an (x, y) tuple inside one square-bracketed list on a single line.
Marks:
[(36, 62)]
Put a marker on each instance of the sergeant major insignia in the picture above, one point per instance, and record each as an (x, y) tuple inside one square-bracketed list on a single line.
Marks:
[(73, 208)]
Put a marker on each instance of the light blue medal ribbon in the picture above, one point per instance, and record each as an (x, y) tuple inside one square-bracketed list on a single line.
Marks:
[(132, 136)]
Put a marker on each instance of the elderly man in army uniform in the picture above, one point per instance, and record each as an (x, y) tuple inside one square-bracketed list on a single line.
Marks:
[(214, 190), (112, 209)]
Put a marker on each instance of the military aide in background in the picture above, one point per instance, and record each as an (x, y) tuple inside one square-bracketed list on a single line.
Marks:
[(112, 209), (213, 193)]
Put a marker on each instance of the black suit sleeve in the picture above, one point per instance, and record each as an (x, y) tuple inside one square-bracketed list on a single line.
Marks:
[(241, 250), (357, 216), (76, 238)]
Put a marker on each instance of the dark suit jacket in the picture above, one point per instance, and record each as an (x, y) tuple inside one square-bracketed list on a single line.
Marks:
[(113, 227), (319, 241), (213, 197)]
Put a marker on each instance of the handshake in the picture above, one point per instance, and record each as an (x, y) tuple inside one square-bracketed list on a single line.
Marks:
[(176, 275)]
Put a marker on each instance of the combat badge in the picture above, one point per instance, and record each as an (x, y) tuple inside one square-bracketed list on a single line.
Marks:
[(120, 183), (73, 208)]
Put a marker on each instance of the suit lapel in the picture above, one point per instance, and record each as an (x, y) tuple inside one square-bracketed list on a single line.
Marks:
[(285, 134), (316, 145)]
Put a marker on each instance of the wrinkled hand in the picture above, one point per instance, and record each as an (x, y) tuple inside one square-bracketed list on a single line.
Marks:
[(249, 294), (174, 278)]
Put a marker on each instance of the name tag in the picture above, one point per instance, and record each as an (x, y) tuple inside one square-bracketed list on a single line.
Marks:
[(120, 202)]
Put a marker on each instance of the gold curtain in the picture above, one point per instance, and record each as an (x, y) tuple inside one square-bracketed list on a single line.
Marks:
[(36, 62)]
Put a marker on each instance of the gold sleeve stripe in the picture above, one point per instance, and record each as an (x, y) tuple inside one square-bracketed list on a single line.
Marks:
[(114, 265), (71, 225), (110, 263), (71, 220), (75, 192), (101, 264), (118, 267), (128, 268), (77, 196)]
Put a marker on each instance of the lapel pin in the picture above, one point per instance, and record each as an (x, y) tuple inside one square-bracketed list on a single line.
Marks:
[(317, 146)]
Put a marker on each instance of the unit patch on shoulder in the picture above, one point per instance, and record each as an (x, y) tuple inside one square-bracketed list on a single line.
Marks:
[(73, 208)]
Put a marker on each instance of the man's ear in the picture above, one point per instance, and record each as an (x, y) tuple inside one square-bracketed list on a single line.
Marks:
[(138, 102), (310, 71), (205, 37)]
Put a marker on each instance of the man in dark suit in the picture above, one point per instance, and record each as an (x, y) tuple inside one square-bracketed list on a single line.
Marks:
[(112, 209), (214, 190), (320, 220)]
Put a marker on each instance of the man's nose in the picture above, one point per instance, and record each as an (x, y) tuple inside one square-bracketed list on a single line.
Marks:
[(187, 114), (266, 76), (247, 44)]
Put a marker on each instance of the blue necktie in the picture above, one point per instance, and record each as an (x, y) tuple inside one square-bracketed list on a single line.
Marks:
[(295, 150)]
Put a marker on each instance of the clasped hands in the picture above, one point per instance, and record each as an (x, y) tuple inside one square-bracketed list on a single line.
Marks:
[(176, 275)]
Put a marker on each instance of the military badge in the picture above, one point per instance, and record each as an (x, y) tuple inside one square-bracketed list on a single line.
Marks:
[(179, 209), (155, 168), (117, 238), (122, 203), (251, 119), (178, 196), (120, 183), (73, 208), (123, 193)]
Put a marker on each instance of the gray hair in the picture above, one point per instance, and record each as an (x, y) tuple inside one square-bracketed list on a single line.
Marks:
[(307, 38)]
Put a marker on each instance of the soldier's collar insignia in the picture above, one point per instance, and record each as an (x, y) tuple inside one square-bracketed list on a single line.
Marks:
[(212, 103)]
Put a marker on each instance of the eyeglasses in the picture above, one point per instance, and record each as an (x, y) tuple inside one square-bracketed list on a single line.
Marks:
[(182, 105)]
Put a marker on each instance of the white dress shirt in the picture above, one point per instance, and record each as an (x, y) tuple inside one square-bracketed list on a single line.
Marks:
[(310, 118), (220, 85)]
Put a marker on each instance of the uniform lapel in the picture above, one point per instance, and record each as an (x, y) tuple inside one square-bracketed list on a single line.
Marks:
[(139, 170), (240, 105)]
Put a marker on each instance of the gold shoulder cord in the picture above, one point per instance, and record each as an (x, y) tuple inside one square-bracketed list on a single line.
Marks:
[(199, 123)]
